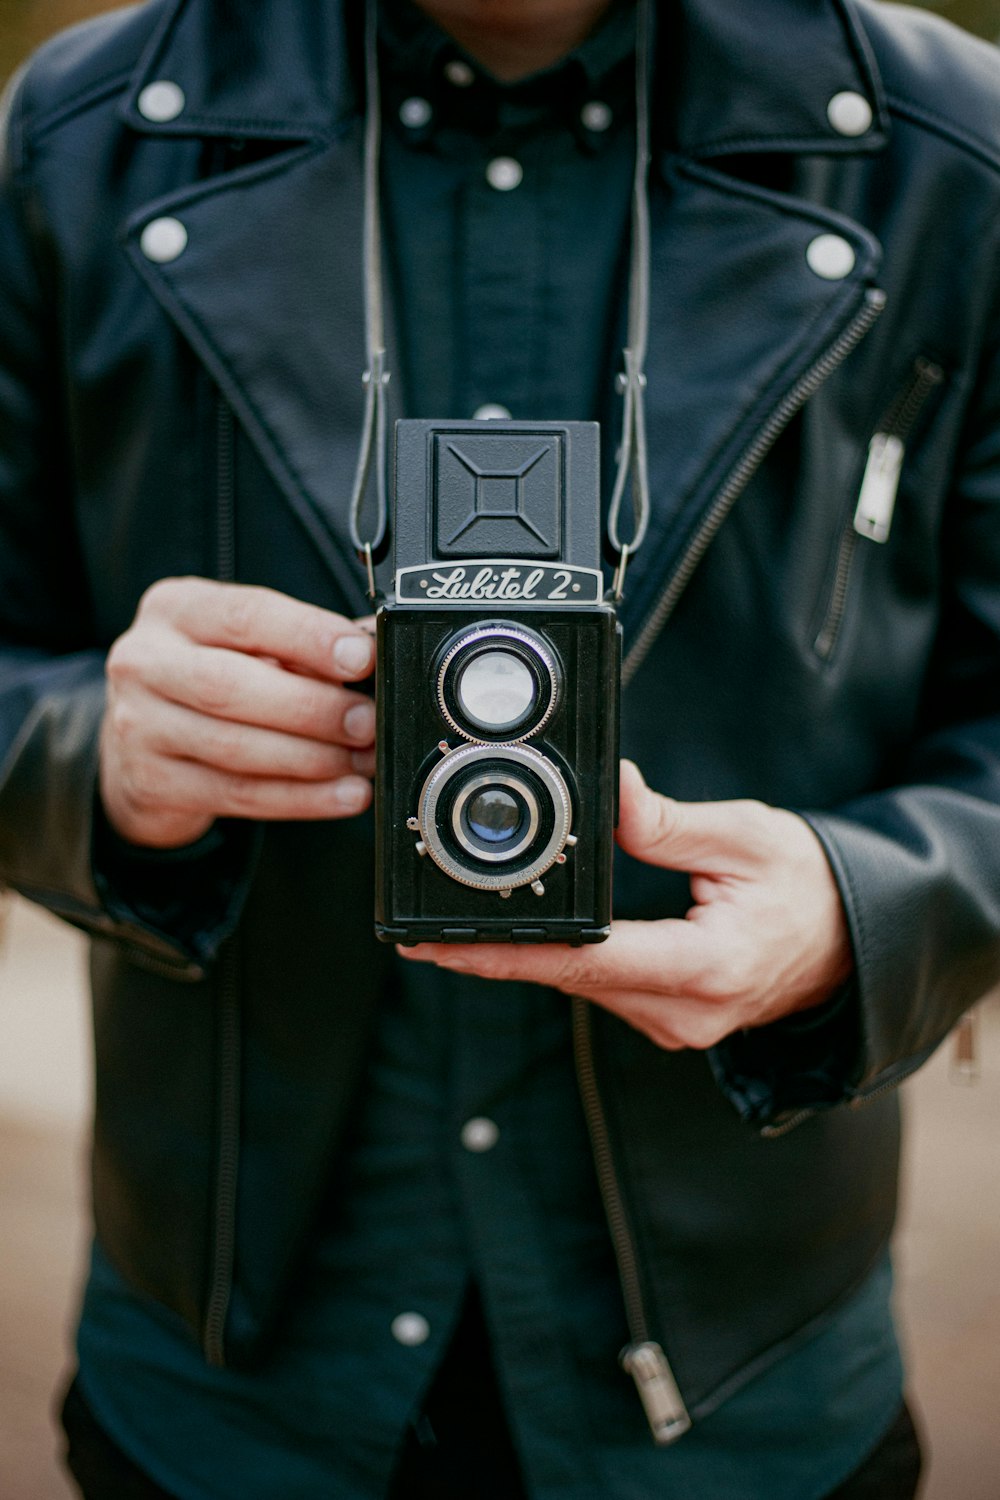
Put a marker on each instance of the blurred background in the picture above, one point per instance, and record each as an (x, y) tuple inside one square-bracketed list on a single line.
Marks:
[(948, 1244)]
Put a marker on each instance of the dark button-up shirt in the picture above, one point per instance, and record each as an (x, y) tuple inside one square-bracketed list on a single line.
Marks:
[(507, 221)]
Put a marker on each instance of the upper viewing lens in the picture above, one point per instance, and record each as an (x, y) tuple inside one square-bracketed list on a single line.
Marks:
[(496, 689)]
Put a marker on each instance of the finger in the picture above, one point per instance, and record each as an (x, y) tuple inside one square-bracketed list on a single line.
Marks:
[(178, 786), (228, 685), (708, 837), (263, 622), (363, 762), (183, 734), (638, 955)]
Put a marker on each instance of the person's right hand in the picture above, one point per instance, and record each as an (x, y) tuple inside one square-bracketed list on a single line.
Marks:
[(225, 700)]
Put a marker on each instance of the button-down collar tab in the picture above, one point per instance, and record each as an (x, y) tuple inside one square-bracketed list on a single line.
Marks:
[(459, 73), (421, 59)]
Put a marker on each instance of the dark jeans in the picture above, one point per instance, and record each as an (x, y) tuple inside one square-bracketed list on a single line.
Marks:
[(460, 1449)]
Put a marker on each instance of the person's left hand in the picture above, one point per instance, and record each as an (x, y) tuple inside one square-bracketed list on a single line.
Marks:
[(767, 934)]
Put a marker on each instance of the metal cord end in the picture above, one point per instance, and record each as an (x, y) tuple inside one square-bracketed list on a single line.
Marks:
[(369, 569), (618, 582)]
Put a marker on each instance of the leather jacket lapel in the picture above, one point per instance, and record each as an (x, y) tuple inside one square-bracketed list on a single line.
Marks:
[(268, 290), (738, 316), (761, 76), (273, 70)]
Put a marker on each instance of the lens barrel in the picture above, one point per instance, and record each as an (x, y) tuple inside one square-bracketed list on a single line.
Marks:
[(495, 817), (498, 683)]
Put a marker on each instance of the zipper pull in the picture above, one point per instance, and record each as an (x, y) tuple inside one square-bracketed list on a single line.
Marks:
[(662, 1401), (877, 500), (965, 1049)]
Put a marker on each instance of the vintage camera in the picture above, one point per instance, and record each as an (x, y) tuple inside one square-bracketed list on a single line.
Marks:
[(497, 689)]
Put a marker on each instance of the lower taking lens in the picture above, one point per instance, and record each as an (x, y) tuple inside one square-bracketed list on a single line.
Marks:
[(494, 815)]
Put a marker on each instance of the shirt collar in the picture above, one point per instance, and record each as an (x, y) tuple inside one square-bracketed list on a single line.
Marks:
[(422, 63), (739, 77)]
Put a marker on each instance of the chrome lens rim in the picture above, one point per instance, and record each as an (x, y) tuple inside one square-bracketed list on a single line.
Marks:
[(496, 637), (508, 852), (436, 787)]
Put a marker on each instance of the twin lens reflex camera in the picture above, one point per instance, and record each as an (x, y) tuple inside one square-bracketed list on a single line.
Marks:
[(497, 689)]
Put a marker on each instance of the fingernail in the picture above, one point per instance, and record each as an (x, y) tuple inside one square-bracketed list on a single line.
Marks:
[(351, 793), (359, 723), (353, 653)]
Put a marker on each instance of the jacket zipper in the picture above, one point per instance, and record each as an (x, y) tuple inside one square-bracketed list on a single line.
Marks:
[(745, 470), (229, 1027), (642, 1357), (227, 1162), (877, 497)]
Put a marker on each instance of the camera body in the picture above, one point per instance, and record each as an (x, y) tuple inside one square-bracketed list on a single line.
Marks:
[(497, 690)]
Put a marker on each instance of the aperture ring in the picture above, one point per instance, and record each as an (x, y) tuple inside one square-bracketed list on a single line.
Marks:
[(440, 780)]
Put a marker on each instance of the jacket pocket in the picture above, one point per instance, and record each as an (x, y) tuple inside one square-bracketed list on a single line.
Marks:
[(871, 519)]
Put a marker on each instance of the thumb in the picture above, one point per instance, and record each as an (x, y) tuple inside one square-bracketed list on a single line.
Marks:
[(707, 837)]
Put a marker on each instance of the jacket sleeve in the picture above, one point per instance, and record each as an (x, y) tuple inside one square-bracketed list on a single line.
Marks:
[(51, 665), (918, 862)]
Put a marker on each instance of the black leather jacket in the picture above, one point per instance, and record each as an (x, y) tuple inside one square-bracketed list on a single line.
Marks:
[(817, 279)]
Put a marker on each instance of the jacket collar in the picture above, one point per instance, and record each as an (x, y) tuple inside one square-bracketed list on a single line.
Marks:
[(745, 78)]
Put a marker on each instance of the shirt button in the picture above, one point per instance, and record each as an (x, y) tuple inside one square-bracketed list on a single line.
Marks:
[(163, 240), (504, 173), (849, 113), (415, 113), (161, 101), (480, 1134), (596, 115), (411, 1329), (830, 256), (459, 73), (491, 412)]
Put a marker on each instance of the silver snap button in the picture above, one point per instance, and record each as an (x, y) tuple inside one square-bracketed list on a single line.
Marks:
[(480, 1134), (415, 113), (491, 411), (504, 173), (849, 113), (831, 257), (163, 240), (411, 1329), (596, 115), (459, 73), (161, 101)]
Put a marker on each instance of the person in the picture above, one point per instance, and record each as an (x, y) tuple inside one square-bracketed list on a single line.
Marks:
[(376, 1223)]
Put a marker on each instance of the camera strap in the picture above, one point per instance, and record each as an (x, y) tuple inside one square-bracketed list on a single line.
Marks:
[(376, 376), (632, 460), (631, 382)]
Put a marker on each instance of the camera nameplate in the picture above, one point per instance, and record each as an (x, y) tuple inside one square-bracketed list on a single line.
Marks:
[(499, 580)]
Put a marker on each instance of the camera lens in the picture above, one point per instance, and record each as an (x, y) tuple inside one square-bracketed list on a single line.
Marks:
[(498, 682), (494, 815), (495, 689)]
